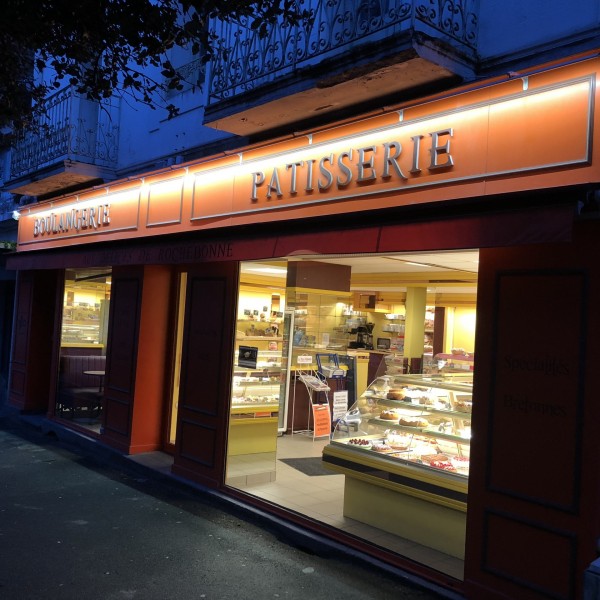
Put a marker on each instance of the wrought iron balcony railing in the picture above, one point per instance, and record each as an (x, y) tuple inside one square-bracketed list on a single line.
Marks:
[(192, 76), (71, 128), (245, 61)]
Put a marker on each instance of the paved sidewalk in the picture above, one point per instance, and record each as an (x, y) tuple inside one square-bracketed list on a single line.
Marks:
[(75, 526)]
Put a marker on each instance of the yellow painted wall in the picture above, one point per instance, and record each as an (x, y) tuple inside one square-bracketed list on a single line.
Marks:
[(463, 329), (256, 300)]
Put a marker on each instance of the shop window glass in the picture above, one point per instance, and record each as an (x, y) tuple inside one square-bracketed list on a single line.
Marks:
[(84, 330)]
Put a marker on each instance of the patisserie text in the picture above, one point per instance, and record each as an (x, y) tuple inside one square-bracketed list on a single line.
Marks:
[(362, 165)]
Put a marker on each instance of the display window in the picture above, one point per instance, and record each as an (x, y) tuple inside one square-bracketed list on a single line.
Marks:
[(82, 359), (352, 395)]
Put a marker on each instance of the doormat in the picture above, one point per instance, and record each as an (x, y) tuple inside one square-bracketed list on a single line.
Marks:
[(311, 466)]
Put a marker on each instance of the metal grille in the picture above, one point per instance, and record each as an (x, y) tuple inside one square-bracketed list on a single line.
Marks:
[(71, 128), (245, 61)]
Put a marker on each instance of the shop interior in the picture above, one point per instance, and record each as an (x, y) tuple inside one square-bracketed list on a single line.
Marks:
[(389, 319)]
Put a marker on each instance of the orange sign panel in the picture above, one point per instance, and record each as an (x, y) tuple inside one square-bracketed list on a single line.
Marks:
[(487, 141), (528, 131), (321, 420)]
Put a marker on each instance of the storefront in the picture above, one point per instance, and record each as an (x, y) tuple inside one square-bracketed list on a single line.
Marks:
[(170, 341)]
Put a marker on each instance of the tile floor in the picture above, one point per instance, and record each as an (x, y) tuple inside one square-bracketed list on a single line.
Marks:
[(320, 497)]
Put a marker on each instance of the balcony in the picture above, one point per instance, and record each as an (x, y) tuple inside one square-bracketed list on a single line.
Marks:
[(74, 144), (354, 56)]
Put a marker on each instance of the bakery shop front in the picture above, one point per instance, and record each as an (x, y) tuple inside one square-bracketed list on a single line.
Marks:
[(381, 330)]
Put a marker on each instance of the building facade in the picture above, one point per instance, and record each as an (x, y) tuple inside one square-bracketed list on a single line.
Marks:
[(407, 192)]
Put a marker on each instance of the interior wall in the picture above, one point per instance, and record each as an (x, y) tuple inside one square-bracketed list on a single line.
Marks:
[(464, 329)]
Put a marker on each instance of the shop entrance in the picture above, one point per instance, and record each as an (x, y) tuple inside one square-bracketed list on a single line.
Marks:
[(358, 323)]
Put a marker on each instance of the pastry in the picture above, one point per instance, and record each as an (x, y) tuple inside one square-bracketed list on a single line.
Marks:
[(396, 395), (389, 415), (397, 441), (361, 442), (381, 447), (463, 406), (416, 422), (429, 458), (425, 400), (445, 465), (460, 463)]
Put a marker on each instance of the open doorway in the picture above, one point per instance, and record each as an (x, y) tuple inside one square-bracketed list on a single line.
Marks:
[(399, 314)]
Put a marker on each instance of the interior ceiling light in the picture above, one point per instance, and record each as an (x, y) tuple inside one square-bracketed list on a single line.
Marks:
[(416, 264), (270, 270), (431, 265)]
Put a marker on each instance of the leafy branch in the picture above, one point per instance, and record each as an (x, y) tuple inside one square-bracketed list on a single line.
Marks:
[(106, 47)]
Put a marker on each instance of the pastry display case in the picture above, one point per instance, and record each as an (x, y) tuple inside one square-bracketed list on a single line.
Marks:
[(421, 420), (83, 326), (86, 301), (457, 361), (255, 403), (319, 320), (404, 448)]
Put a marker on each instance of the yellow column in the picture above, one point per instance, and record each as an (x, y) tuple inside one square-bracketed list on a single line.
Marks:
[(414, 335), (449, 330)]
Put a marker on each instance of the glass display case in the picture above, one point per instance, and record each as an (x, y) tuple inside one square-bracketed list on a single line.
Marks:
[(416, 419), (85, 308), (457, 361), (404, 449), (255, 393), (320, 319), (256, 388)]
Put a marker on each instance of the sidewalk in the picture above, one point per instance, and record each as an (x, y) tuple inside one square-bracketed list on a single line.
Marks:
[(78, 520)]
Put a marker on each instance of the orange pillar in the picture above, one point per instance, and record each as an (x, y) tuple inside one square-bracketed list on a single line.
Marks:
[(152, 369)]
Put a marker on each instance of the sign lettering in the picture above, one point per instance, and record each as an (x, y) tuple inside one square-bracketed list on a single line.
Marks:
[(359, 165), (76, 219)]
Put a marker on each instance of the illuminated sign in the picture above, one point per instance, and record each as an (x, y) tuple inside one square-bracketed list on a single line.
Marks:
[(512, 136), (354, 164)]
